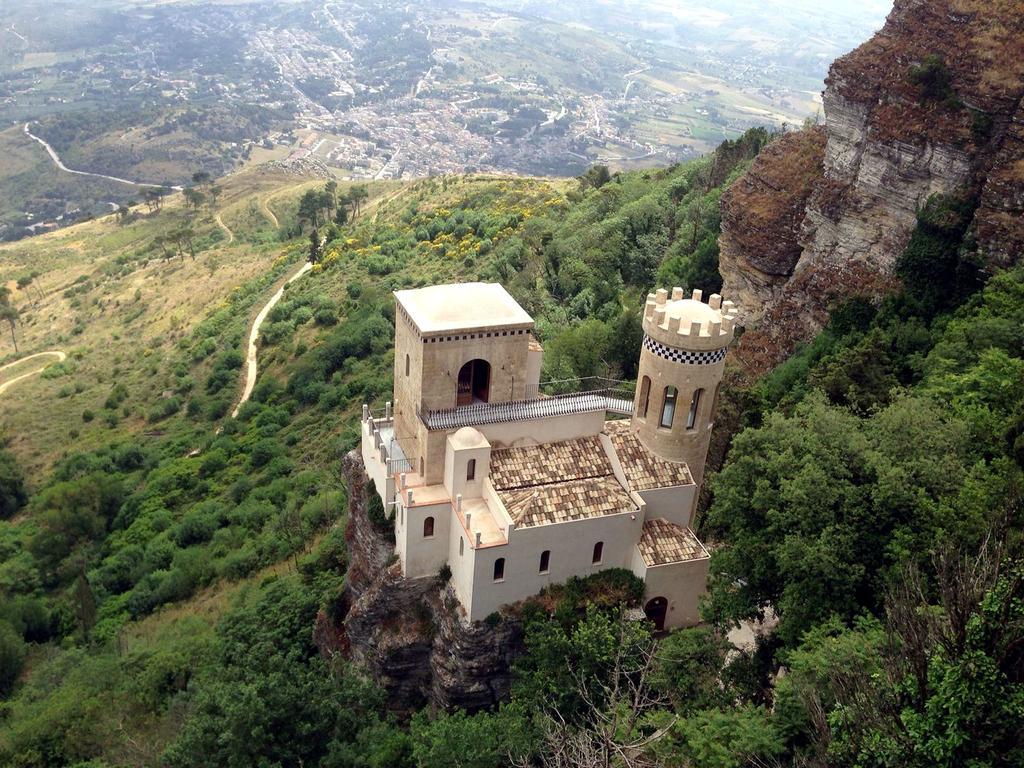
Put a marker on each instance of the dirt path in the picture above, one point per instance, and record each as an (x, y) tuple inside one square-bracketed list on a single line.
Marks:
[(225, 229), (265, 209), (61, 356), (251, 367)]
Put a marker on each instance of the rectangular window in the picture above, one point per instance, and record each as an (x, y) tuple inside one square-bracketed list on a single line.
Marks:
[(545, 561), (471, 469)]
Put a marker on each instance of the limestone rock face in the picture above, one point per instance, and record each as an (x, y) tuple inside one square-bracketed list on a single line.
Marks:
[(762, 213), (890, 143), (410, 634)]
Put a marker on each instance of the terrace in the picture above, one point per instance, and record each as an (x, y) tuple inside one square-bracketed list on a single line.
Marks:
[(554, 398)]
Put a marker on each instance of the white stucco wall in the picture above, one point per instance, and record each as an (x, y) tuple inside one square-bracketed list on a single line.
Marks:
[(376, 470), (456, 463), (675, 503), (538, 431), (423, 556), (571, 545), (463, 565), (682, 584)]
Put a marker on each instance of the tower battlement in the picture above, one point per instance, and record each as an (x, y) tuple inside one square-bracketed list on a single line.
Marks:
[(689, 323)]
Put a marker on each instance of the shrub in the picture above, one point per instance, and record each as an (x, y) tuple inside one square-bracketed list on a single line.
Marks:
[(932, 76), (12, 657)]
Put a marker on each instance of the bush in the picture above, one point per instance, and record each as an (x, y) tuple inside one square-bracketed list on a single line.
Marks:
[(12, 657)]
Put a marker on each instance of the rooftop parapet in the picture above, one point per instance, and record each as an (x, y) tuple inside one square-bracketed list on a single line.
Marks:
[(689, 323)]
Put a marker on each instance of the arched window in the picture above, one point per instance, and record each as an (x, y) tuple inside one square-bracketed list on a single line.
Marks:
[(691, 418), (645, 397), (545, 561), (499, 569), (668, 407), (406, 365), (474, 383), (471, 469), (598, 552), (428, 528), (462, 546)]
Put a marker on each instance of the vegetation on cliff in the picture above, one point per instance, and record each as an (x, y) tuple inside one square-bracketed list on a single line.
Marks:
[(159, 585)]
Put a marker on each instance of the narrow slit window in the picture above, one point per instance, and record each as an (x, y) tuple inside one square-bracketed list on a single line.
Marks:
[(471, 469), (645, 397), (462, 546), (499, 569), (598, 552), (406, 365), (668, 407), (428, 527), (691, 419), (545, 561)]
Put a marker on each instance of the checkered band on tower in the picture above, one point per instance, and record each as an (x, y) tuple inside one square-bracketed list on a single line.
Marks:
[(684, 356)]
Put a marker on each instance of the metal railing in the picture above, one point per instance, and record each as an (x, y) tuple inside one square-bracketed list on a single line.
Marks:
[(554, 398)]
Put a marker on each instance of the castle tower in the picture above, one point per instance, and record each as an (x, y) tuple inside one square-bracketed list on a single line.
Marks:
[(681, 366)]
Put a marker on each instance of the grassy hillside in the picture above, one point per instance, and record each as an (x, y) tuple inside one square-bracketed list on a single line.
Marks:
[(149, 508)]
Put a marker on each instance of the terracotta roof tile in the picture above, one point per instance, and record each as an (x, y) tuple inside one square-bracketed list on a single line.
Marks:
[(663, 542), (562, 502), (549, 463), (642, 468)]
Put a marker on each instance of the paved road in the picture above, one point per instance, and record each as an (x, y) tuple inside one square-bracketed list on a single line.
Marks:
[(60, 355), (59, 163), (254, 334)]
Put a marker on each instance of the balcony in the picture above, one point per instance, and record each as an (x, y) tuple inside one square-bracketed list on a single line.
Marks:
[(381, 430), (553, 398)]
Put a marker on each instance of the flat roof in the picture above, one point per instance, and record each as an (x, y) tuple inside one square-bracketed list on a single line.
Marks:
[(462, 307)]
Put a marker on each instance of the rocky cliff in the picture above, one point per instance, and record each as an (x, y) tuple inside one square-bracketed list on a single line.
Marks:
[(931, 104), (410, 634)]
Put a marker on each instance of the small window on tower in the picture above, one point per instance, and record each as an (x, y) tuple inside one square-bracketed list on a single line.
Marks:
[(691, 419), (428, 528), (406, 365), (462, 546), (471, 469), (499, 569), (545, 561), (645, 397), (598, 553), (668, 407)]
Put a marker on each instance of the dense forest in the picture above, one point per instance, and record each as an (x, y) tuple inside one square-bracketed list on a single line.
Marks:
[(158, 597)]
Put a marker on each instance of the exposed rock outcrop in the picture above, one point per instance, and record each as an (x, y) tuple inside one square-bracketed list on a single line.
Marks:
[(762, 213), (931, 104), (410, 634)]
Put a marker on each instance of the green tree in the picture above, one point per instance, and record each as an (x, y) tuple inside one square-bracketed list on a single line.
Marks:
[(13, 495), (12, 657)]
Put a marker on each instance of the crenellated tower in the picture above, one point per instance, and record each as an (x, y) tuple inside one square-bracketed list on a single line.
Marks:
[(681, 366)]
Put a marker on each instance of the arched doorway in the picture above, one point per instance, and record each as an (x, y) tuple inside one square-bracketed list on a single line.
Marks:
[(656, 609), (474, 382)]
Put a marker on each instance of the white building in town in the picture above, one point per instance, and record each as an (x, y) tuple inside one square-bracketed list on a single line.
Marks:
[(515, 484)]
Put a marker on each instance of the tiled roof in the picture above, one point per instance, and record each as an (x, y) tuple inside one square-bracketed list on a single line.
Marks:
[(550, 463), (663, 542), (642, 468), (558, 482), (562, 502)]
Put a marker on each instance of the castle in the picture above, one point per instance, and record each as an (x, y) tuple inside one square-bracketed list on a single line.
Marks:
[(514, 484)]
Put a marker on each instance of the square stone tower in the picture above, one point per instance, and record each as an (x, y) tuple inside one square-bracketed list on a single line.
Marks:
[(455, 346)]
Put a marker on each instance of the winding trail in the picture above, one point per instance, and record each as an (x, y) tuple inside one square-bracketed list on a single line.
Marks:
[(61, 357), (59, 163), (254, 334), (224, 227), (268, 213)]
